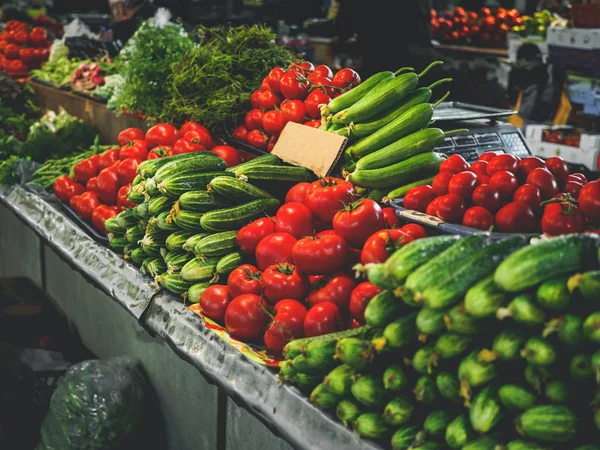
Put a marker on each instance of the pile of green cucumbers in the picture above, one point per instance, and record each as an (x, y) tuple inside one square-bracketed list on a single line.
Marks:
[(189, 209), (474, 343), (386, 119)]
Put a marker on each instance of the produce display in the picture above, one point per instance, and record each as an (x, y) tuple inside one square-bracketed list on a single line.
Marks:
[(535, 25), (471, 343), (22, 48), (482, 28)]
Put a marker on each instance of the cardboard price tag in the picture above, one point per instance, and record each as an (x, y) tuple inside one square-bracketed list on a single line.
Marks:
[(420, 217), (309, 147)]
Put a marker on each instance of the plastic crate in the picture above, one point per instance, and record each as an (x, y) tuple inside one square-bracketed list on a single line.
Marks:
[(586, 16)]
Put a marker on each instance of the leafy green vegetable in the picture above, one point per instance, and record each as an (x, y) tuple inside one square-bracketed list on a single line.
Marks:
[(17, 108), (7, 174), (58, 71)]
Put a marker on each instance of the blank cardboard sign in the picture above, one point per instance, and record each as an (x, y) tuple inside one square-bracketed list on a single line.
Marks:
[(309, 147)]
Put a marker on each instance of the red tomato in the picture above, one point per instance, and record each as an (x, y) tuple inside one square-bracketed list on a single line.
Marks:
[(86, 169), (463, 184), (516, 217), (323, 318), (228, 154), (21, 37), (413, 230), (478, 217), (273, 122), (573, 188), (589, 200), (274, 248), (358, 220), (558, 223), (320, 71), (244, 318), (360, 298), (129, 135), (214, 302), (293, 111), (326, 86), (38, 35), (345, 78), (248, 237), (101, 214), (505, 182), (274, 77), (391, 219), (11, 51), (335, 288), (314, 101), (543, 179), (529, 194), (579, 177), (327, 196), (381, 244), (455, 164), (281, 281), (108, 185), (161, 134), (26, 54), (487, 156), (127, 171), (288, 324), (321, 254), (269, 100), (487, 197), (479, 167), (418, 198), (293, 86), (255, 98), (302, 67), (503, 162), (296, 219), (185, 146), (313, 123), (440, 182), (557, 166), (123, 201), (483, 179), (432, 208), (134, 149), (198, 134), (244, 280), (271, 143), (65, 187), (451, 208), (92, 184), (73, 202), (159, 151), (526, 165), (240, 133), (254, 119), (108, 158), (298, 192), (257, 139), (88, 202)]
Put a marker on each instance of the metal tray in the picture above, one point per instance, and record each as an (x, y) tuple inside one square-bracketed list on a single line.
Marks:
[(83, 224), (458, 111)]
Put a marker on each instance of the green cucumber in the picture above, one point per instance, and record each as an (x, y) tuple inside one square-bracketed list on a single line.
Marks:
[(347, 411), (401, 191), (294, 174), (118, 244), (370, 425), (305, 382), (149, 167), (437, 421), (369, 391), (349, 98), (164, 222), (394, 378), (537, 376), (450, 345), (595, 361), (484, 298), (237, 216), (580, 367), (423, 361), (382, 309), (377, 276), (203, 201), (176, 240), (152, 242), (587, 284), (523, 310), (137, 194), (553, 294), (158, 204), (229, 263), (156, 267), (549, 423), (354, 352), (190, 243), (459, 432), (134, 234), (320, 354), (539, 352), (187, 220), (474, 372), (459, 320), (398, 411), (425, 390), (557, 392), (322, 398), (236, 190), (137, 256), (141, 211), (397, 334), (179, 184), (449, 386), (431, 321), (218, 244), (406, 437), (339, 380), (507, 346), (198, 163), (489, 442), (126, 219), (173, 283), (196, 290), (176, 263), (258, 161), (486, 411), (516, 398), (519, 444), (199, 270), (112, 226), (297, 346), (591, 327)]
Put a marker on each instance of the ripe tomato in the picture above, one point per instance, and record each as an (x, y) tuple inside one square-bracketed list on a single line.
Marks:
[(73, 202), (321, 254), (86, 169), (529, 194), (161, 134), (440, 182), (65, 187), (294, 86), (248, 237), (463, 184), (478, 217), (432, 208), (269, 100), (288, 324), (358, 220), (244, 317), (293, 111), (26, 54), (302, 67), (159, 151), (123, 201), (345, 78), (413, 230), (487, 156), (129, 135), (579, 177), (254, 119), (360, 298), (38, 35), (503, 162), (505, 182), (228, 154), (214, 302), (335, 288), (273, 122), (390, 217), (298, 192), (240, 133), (451, 208), (589, 200), (573, 188), (257, 139), (92, 184), (381, 244), (296, 219), (184, 145), (244, 280), (323, 318), (543, 179), (418, 198), (558, 223), (557, 166), (127, 171), (281, 281), (313, 103), (516, 217), (454, 164), (526, 165), (326, 86), (101, 214), (255, 98), (265, 84), (108, 158), (327, 196), (479, 167), (21, 37), (271, 143), (487, 197), (11, 51), (87, 203), (108, 185), (134, 149), (320, 71), (313, 123), (274, 248), (274, 77)]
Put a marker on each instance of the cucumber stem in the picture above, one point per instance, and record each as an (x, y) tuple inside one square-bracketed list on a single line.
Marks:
[(404, 69), (438, 82), (458, 130), (429, 67), (441, 100)]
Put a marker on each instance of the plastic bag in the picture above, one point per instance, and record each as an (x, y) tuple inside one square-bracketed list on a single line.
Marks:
[(97, 405)]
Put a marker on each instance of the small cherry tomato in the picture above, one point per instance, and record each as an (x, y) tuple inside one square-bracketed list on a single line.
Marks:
[(294, 86), (573, 188), (382, 244), (314, 101), (127, 171), (65, 188), (579, 177), (257, 139), (345, 78), (269, 100), (298, 192), (432, 208), (479, 167), (589, 200), (134, 149), (321, 254), (108, 158), (335, 288), (273, 122), (240, 133), (129, 135), (293, 111), (274, 77), (254, 119), (161, 134), (87, 203)]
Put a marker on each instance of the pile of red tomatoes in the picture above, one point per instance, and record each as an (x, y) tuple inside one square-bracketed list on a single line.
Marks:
[(22, 48)]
